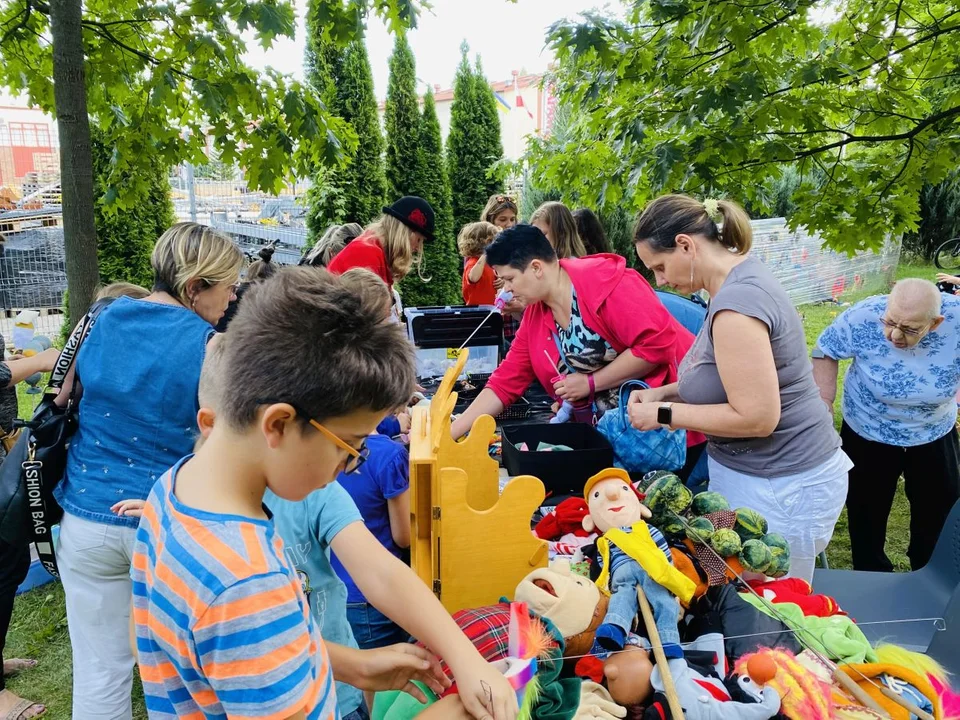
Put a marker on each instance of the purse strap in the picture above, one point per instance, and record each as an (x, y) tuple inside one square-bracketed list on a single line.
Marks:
[(68, 356), (624, 395)]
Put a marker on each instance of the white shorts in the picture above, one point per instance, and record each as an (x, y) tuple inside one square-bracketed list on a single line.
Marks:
[(803, 508)]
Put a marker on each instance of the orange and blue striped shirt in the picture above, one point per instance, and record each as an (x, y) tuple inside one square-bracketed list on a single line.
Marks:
[(223, 629)]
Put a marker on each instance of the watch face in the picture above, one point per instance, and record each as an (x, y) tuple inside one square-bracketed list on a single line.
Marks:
[(664, 415)]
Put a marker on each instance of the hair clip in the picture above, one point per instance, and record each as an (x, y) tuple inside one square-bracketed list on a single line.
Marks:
[(712, 207)]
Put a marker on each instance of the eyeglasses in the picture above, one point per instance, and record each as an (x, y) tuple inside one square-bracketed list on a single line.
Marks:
[(912, 332), (358, 456)]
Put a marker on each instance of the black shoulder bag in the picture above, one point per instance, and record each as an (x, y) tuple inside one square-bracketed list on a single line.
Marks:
[(35, 465)]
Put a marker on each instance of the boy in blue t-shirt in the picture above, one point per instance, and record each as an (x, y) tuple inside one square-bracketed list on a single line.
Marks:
[(308, 529), (381, 491)]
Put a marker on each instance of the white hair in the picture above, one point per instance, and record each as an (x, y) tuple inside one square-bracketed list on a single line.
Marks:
[(917, 294)]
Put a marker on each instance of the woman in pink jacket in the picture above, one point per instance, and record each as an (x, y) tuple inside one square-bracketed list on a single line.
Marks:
[(604, 316)]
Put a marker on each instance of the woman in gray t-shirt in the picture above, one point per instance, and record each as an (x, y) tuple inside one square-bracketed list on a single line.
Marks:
[(746, 382)]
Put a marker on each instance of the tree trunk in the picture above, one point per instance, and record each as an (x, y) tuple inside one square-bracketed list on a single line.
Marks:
[(76, 159)]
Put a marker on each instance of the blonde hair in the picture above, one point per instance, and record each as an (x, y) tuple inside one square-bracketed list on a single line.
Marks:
[(375, 296), (563, 229), (189, 251), (121, 289), (496, 205), (473, 238), (394, 236), (671, 215)]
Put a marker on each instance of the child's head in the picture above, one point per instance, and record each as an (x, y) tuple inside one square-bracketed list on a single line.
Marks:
[(374, 293), (263, 267), (502, 211), (556, 222), (122, 289), (311, 370), (208, 393), (475, 237)]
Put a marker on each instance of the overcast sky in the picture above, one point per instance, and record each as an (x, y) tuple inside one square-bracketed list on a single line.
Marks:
[(507, 35)]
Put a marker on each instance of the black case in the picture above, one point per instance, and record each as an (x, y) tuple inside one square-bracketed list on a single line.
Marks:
[(564, 472)]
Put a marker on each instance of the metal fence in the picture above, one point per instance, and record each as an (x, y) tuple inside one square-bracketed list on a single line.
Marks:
[(33, 273)]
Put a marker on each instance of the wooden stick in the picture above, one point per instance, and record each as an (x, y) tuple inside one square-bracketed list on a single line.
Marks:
[(858, 692), (904, 703), (669, 689)]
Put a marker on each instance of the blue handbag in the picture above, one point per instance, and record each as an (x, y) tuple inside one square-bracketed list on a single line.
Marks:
[(641, 451)]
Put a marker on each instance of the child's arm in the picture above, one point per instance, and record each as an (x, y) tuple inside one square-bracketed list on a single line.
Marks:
[(22, 368), (389, 668), (392, 588), (476, 272), (399, 509)]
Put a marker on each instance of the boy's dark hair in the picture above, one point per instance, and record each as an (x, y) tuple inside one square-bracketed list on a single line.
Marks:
[(310, 340), (518, 246)]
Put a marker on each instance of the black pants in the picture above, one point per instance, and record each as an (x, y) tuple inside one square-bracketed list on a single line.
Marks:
[(931, 475), (14, 565)]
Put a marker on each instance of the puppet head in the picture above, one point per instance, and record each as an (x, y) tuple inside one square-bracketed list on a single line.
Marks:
[(613, 501), (572, 603)]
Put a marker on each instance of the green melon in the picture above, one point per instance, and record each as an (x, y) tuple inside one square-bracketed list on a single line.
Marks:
[(779, 564), (700, 530), (668, 494), (651, 477), (755, 556), (707, 502), (776, 540), (726, 542), (669, 524), (751, 525)]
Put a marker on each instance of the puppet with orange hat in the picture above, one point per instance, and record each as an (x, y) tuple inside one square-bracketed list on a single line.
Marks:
[(632, 556)]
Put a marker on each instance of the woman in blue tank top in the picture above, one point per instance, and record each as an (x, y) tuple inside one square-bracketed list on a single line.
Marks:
[(139, 370)]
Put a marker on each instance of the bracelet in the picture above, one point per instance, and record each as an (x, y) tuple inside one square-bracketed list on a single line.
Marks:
[(593, 387)]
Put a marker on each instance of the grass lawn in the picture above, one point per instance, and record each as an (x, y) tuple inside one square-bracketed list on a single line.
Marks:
[(39, 627)]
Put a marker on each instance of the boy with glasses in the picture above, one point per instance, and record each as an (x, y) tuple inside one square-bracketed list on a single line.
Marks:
[(222, 623)]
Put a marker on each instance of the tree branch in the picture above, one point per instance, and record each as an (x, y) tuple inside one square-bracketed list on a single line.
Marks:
[(146, 57), (20, 25)]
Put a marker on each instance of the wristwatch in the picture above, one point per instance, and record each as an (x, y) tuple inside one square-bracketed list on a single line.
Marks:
[(665, 414)]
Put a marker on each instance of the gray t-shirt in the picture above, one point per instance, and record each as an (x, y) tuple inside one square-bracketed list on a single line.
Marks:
[(805, 436)]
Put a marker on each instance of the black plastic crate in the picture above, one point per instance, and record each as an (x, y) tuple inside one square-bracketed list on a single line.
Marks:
[(562, 472)]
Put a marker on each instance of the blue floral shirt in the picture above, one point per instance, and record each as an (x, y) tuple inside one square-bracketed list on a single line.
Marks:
[(897, 397)]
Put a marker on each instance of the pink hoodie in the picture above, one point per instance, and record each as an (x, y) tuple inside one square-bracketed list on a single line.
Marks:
[(617, 303)]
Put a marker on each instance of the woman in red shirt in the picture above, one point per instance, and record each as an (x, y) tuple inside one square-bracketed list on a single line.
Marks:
[(478, 278), (606, 318), (391, 245)]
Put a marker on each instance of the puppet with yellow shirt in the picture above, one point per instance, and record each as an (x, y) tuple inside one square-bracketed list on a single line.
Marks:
[(632, 555)]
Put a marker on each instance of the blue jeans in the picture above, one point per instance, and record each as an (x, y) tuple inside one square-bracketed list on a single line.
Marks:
[(624, 604), (359, 714), (372, 628)]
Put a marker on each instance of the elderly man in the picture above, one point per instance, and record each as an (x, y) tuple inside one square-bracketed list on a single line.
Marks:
[(899, 413)]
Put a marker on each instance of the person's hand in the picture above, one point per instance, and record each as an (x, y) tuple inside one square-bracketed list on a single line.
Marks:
[(395, 667), (128, 508), (650, 395), (48, 359), (18, 355), (943, 277), (404, 419), (485, 692), (514, 307), (573, 387), (497, 283), (643, 415)]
